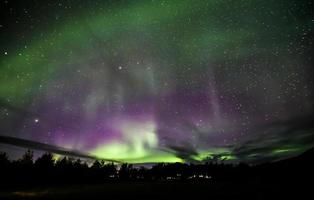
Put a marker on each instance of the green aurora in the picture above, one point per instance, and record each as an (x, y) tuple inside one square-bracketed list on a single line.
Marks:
[(164, 81)]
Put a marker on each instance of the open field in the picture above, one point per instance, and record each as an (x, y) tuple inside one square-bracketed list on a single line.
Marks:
[(154, 189)]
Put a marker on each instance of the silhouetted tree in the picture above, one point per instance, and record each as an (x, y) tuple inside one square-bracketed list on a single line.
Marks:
[(64, 163), (96, 165), (46, 161), (125, 171), (110, 170), (4, 160), (27, 159), (46, 170)]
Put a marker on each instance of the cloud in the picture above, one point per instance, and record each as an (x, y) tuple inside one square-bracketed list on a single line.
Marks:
[(46, 147), (280, 139)]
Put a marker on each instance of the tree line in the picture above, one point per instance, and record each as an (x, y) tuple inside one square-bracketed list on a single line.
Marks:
[(47, 170)]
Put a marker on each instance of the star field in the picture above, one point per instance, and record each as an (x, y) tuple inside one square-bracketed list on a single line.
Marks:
[(159, 81)]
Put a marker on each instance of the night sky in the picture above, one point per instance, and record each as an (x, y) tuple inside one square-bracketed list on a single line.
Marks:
[(159, 81)]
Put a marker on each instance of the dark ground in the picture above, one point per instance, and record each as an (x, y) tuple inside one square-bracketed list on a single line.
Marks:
[(174, 190)]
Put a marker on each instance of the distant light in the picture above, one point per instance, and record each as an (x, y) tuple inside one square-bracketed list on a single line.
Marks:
[(36, 120)]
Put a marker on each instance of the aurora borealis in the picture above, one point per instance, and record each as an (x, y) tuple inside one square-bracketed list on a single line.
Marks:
[(159, 81)]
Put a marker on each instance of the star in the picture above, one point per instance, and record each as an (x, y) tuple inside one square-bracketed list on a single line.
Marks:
[(130, 83)]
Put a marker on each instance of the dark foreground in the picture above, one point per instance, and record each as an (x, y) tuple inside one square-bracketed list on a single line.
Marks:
[(174, 190), (287, 179)]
